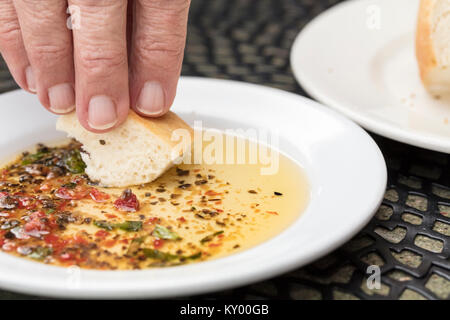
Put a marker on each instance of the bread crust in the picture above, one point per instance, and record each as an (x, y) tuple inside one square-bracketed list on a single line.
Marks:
[(149, 142), (426, 55), (163, 126)]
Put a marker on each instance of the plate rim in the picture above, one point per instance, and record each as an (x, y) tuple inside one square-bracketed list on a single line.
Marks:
[(382, 128), (247, 276)]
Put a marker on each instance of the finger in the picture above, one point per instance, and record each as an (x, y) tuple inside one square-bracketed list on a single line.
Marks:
[(48, 43), (101, 67), (12, 48), (157, 53)]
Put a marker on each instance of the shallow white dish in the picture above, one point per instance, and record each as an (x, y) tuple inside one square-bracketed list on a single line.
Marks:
[(359, 58), (345, 168)]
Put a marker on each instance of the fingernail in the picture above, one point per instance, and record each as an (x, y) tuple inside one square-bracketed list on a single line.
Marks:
[(30, 79), (62, 98), (151, 99), (102, 113)]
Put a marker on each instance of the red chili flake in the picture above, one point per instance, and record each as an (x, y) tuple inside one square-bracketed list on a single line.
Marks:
[(26, 203), (127, 202), (152, 220), (125, 241), (181, 219), (212, 193), (214, 245), (218, 210), (2, 240), (98, 196), (35, 223), (45, 187), (55, 242), (52, 223), (101, 234), (4, 174), (77, 239), (110, 216), (272, 212), (63, 205), (67, 256), (69, 194), (77, 180), (8, 246), (158, 243), (51, 239), (109, 243)]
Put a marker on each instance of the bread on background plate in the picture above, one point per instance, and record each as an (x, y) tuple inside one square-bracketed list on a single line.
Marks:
[(433, 45), (136, 152)]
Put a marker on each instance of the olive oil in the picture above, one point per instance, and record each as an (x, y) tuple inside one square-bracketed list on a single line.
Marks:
[(193, 213)]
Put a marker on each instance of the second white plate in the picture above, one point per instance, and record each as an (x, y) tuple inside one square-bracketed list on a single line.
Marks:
[(359, 58)]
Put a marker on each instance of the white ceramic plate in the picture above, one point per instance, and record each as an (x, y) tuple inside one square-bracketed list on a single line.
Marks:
[(359, 58), (345, 168)]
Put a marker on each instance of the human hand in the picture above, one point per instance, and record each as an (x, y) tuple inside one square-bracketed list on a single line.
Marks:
[(121, 54)]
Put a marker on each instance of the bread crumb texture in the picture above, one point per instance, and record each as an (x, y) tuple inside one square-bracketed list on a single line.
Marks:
[(136, 152)]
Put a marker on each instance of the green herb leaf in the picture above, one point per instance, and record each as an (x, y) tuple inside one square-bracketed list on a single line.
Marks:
[(40, 253), (70, 185), (194, 256), (134, 245), (126, 225), (164, 233), (32, 157), (104, 225), (159, 255), (166, 257), (130, 225), (210, 237), (73, 161)]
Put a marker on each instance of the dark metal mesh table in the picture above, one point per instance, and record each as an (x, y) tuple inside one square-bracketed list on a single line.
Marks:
[(409, 237)]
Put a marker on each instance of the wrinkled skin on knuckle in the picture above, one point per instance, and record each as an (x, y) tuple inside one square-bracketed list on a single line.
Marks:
[(164, 55), (9, 25), (37, 4), (163, 20), (10, 34), (161, 39), (98, 3), (93, 12), (172, 5), (100, 61), (53, 52), (39, 12)]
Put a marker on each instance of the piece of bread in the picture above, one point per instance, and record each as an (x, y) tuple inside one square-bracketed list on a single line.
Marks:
[(433, 45), (136, 152)]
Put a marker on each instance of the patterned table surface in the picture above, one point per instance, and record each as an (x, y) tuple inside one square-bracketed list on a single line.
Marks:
[(409, 237)]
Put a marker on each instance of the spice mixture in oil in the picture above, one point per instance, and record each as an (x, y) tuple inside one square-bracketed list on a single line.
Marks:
[(51, 212)]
